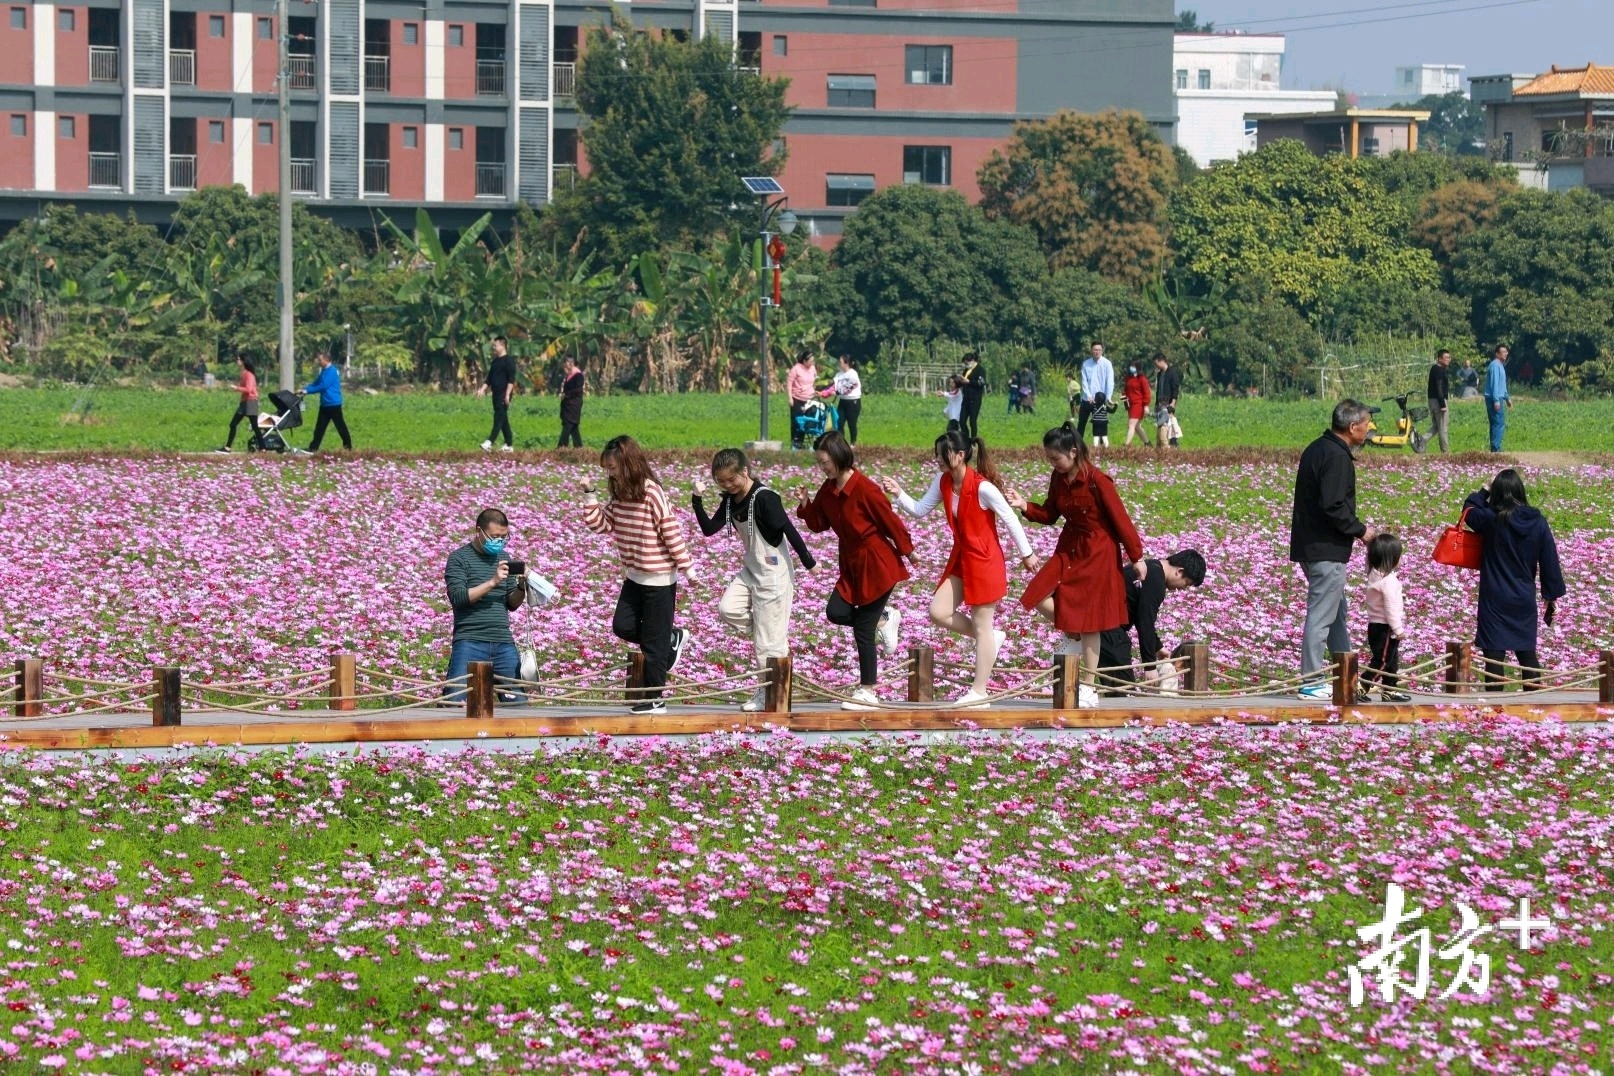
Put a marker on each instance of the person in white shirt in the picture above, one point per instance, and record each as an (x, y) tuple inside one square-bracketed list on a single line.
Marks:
[(847, 388), (968, 490), (1098, 389), (955, 401), (1386, 620)]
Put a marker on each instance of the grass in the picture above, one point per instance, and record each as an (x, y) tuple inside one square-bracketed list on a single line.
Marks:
[(193, 420)]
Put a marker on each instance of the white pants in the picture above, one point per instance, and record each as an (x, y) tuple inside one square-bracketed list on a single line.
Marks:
[(760, 611)]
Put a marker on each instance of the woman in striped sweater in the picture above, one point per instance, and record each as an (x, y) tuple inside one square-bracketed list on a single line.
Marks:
[(650, 541)]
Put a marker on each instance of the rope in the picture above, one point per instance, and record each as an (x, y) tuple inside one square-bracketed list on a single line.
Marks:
[(260, 682), (374, 671)]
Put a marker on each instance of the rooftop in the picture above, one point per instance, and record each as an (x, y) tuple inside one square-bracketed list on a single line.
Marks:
[(1588, 81)]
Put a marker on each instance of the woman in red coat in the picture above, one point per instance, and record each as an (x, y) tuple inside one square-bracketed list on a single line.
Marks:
[(872, 541), (975, 574), (1137, 399), (1080, 588)]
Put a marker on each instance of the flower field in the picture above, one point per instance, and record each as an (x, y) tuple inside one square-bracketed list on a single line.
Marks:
[(1173, 901)]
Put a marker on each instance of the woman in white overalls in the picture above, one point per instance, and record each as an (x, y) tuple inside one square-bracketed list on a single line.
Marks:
[(757, 601)]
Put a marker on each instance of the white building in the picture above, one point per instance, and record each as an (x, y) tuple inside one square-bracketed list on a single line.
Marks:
[(1221, 77), (1412, 83)]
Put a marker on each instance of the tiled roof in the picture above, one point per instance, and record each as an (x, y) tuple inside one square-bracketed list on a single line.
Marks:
[(1588, 81)]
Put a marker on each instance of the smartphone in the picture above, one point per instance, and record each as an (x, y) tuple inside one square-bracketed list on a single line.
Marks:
[(518, 567)]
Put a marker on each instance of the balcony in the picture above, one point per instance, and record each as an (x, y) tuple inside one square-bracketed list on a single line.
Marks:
[(490, 179), (490, 78), (182, 67), (563, 177), (182, 171), (378, 73), (753, 70), (303, 71), (304, 175), (106, 170), (377, 176), (565, 80), (104, 63)]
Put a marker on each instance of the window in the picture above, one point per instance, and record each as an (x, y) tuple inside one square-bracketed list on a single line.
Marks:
[(781, 45), (1182, 78), (847, 190), (266, 134), (930, 65), (215, 26), (456, 36), (1370, 147), (456, 138), (215, 132), (65, 21), (19, 124), (19, 18), (1507, 146), (66, 127), (411, 137), (927, 164), (411, 33), (851, 91), (266, 29), (1204, 78)]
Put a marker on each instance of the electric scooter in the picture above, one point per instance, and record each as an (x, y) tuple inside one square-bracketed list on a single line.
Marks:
[(1406, 426)]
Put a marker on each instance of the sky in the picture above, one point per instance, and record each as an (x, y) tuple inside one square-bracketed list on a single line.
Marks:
[(1357, 44)]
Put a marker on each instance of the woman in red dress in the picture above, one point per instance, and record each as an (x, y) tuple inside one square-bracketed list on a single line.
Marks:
[(1080, 587), (971, 496), (872, 541), (1137, 399)]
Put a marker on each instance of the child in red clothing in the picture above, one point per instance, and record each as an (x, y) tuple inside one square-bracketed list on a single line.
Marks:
[(1137, 399)]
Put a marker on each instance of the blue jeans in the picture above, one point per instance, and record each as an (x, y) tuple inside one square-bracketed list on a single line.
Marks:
[(506, 666), (1497, 412)]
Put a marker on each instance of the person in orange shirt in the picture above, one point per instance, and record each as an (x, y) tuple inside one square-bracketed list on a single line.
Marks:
[(801, 385)]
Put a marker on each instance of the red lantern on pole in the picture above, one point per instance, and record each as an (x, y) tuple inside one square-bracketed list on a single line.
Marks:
[(776, 256)]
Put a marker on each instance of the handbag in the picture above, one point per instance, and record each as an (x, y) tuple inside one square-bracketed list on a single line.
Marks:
[(1458, 546)]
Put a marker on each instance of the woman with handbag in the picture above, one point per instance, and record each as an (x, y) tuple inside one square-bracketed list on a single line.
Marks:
[(1518, 549)]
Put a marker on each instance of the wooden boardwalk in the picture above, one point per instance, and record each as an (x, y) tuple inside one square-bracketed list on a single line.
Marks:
[(224, 728)]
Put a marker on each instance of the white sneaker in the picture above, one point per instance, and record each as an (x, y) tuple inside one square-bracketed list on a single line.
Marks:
[(756, 702), (862, 699), (487, 446), (890, 623), (970, 701), (1086, 697), (507, 448)]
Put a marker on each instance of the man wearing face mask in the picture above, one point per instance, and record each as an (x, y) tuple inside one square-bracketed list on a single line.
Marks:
[(482, 592)]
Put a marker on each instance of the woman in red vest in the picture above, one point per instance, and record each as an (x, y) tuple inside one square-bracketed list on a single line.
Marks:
[(1081, 587), (971, 496), (872, 541)]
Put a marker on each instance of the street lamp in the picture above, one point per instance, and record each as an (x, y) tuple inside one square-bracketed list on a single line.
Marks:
[(773, 213)]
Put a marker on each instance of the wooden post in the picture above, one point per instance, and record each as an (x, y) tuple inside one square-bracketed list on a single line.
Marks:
[(165, 705), (777, 693), (635, 685), (922, 676), (30, 688), (343, 681), (1345, 678), (1067, 681), (1459, 667), (479, 691), (1605, 682), (1197, 679)]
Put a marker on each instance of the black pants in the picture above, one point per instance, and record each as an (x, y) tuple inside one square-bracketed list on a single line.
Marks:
[(644, 617), (864, 621), (330, 416), (850, 409), (252, 427), (1084, 411), (1383, 657), (1115, 649), (969, 418), (569, 435), (501, 423), (1529, 661), (796, 408)]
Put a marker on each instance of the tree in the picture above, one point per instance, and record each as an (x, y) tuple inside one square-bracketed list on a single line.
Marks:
[(1094, 188), (1448, 214), (1188, 23), (671, 128), (920, 263), (1305, 225), (1455, 125)]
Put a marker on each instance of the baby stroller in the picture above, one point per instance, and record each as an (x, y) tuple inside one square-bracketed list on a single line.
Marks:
[(288, 416), (812, 423)]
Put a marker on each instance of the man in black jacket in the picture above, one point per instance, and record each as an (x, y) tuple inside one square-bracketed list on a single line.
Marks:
[(974, 379), (1167, 389), (1183, 569), (1322, 528), (501, 381), (1439, 392), (571, 404)]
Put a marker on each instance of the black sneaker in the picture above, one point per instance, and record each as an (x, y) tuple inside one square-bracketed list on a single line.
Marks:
[(679, 638), (1392, 695), (649, 706), (222, 448)]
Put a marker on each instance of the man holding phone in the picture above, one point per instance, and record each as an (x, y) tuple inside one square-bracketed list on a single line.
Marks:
[(484, 585)]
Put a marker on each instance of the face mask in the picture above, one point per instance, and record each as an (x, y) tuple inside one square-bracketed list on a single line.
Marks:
[(492, 545)]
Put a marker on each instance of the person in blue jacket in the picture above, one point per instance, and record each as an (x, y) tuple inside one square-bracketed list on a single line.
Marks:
[(328, 384), (1497, 401), (1519, 548)]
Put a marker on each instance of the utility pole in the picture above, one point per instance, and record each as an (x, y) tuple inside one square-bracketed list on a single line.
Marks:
[(288, 363)]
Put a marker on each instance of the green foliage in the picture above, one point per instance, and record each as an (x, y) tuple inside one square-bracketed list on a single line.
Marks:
[(1455, 125), (1261, 343), (920, 263), (1094, 189), (1540, 278), (1304, 225), (1065, 312), (1358, 309)]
